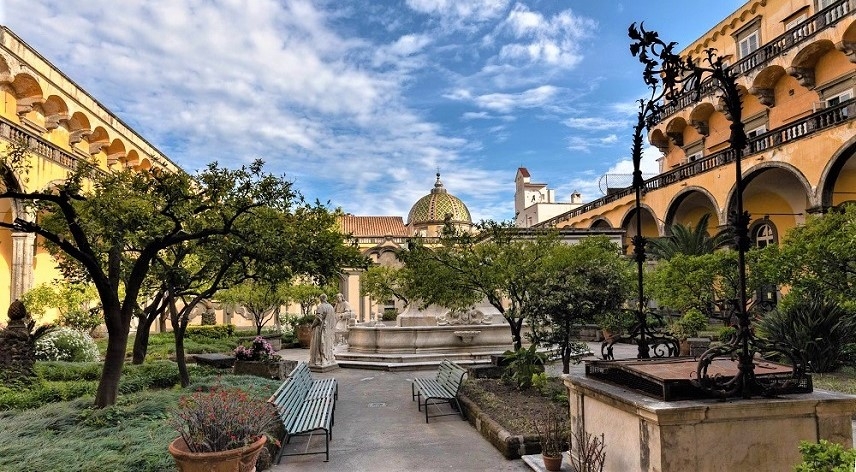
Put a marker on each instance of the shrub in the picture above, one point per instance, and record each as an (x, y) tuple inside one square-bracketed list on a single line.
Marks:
[(260, 350), (688, 325), (210, 331), (60, 371), (522, 365), (81, 319), (389, 314), (159, 374), (826, 456), (725, 333), (66, 344), (819, 330)]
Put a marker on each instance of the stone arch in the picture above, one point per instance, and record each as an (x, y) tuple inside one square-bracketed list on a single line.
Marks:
[(658, 139), (675, 130), (600, 223), (688, 205), (115, 152), (763, 87), (5, 71), (55, 110), (98, 140), (839, 172), (802, 67), (27, 93), (650, 225), (145, 164), (777, 191), (132, 159), (700, 117), (78, 128)]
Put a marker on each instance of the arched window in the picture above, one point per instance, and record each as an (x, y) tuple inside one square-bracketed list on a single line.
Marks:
[(764, 233)]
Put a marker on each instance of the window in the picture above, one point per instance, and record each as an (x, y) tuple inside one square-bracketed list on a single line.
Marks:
[(821, 4), (838, 98), (694, 151), (797, 33), (756, 126), (748, 44), (748, 38), (764, 233)]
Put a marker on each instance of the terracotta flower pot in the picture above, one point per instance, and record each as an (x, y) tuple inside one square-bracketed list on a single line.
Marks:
[(304, 335), (552, 463), (234, 460)]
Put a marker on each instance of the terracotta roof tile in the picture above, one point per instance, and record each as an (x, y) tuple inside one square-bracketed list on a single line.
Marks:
[(363, 226), (524, 171)]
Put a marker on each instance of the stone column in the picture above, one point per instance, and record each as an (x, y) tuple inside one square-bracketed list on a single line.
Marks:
[(23, 245)]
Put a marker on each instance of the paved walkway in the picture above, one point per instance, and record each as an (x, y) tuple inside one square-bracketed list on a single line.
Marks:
[(378, 428)]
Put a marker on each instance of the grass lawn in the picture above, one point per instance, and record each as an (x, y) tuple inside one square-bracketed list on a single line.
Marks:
[(162, 345)]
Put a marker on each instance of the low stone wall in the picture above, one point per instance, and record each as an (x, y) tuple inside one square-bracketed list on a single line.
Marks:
[(509, 445)]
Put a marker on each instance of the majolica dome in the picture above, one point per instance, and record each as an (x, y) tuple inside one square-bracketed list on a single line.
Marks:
[(436, 206)]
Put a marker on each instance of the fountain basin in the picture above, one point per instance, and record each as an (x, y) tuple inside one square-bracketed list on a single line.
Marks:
[(428, 339)]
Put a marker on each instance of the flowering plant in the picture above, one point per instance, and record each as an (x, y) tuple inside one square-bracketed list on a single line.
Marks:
[(260, 350), (221, 419)]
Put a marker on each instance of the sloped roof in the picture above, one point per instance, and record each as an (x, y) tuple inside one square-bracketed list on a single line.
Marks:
[(437, 205), (363, 226)]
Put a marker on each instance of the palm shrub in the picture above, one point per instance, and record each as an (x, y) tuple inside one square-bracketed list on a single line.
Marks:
[(818, 329)]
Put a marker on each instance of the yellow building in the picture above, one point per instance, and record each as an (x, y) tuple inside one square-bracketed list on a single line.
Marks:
[(63, 125), (796, 67)]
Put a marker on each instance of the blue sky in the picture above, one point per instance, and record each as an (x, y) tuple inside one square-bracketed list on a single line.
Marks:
[(359, 102)]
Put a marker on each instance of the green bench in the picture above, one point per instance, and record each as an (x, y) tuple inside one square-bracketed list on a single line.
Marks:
[(305, 405), (441, 389)]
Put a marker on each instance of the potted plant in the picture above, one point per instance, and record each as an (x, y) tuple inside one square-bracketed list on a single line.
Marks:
[(303, 330), (260, 359), (687, 326), (552, 434), (220, 430)]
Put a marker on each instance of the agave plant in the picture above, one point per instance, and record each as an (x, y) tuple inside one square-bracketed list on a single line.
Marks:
[(689, 240)]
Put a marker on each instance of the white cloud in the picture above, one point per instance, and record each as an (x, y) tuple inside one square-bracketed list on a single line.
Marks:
[(611, 139), (555, 41), (594, 123), (461, 10), (618, 174), (506, 102)]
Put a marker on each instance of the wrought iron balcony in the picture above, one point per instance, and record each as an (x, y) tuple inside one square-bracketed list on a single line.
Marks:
[(818, 121), (783, 43)]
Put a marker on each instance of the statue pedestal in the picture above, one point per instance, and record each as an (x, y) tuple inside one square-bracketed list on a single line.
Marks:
[(324, 367), (646, 434)]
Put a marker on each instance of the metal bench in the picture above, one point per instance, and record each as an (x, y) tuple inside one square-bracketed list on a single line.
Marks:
[(443, 389), (304, 406)]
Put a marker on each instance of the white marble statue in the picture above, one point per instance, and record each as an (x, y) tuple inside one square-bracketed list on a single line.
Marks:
[(344, 319), (323, 336)]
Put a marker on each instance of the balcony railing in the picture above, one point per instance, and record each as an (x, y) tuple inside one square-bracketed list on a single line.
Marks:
[(818, 121), (800, 33), (38, 145)]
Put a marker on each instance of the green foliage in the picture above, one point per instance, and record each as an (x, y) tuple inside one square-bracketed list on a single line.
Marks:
[(688, 325), (498, 263), (522, 364), (76, 303), (306, 295), (818, 257), (210, 332), (262, 300), (577, 284), (819, 329), (68, 371), (688, 240), (66, 344), (615, 321), (826, 456), (390, 314), (384, 283), (725, 333), (685, 282), (130, 435)]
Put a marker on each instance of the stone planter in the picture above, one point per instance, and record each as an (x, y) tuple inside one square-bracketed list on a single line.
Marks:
[(235, 460), (267, 370), (275, 340)]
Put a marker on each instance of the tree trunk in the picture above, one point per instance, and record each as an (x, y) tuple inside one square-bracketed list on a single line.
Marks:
[(114, 359), (141, 340), (180, 359)]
